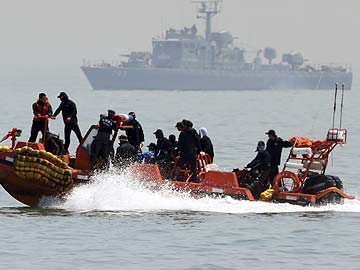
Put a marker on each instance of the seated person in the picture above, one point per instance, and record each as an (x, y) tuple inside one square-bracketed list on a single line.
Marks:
[(255, 176), (163, 148), (125, 153), (261, 164), (147, 156)]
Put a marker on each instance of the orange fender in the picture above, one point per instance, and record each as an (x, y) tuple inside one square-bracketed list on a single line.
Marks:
[(286, 174)]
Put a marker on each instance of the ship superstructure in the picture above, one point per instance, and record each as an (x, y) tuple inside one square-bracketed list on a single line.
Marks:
[(186, 60)]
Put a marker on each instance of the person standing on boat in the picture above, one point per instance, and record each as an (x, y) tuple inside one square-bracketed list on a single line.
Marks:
[(274, 146), (101, 146), (179, 126), (41, 108), (69, 114), (135, 134), (174, 145), (206, 144), (189, 147)]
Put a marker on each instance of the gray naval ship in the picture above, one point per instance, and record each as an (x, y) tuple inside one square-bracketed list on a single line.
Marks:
[(187, 60)]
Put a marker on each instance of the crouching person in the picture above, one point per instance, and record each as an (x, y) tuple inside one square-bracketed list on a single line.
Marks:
[(125, 153), (255, 176)]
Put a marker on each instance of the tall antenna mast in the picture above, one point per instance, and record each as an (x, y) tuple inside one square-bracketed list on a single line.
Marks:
[(336, 88), (208, 9), (342, 103)]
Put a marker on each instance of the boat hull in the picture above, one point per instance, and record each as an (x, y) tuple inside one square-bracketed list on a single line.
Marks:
[(20, 180), (122, 78), (26, 191)]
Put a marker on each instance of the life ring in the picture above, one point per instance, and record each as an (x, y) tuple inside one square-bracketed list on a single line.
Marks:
[(286, 174)]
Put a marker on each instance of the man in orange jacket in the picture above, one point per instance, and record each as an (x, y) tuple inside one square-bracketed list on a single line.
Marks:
[(41, 109)]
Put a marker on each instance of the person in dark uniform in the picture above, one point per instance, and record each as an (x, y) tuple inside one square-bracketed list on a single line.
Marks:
[(101, 147), (163, 147), (205, 143), (261, 163), (258, 171), (69, 114), (125, 153), (274, 146), (135, 134), (189, 147), (174, 145), (40, 108), (179, 126)]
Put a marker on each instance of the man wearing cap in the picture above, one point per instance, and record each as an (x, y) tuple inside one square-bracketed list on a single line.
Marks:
[(274, 146), (69, 114), (40, 109), (125, 153), (102, 146), (179, 126), (135, 134)]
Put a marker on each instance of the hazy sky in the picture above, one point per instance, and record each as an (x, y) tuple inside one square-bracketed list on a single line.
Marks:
[(46, 34)]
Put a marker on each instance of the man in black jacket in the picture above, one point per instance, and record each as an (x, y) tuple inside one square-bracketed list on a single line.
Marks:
[(135, 134), (101, 146), (274, 146), (69, 114), (261, 163), (257, 179), (163, 147), (189, 147)]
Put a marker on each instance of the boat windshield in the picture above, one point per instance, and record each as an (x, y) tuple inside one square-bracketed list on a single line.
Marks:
[(88, 140)]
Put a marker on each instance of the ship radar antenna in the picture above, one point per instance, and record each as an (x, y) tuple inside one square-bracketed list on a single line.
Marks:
[(208, 8)]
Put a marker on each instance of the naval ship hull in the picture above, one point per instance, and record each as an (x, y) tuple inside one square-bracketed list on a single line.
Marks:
[(148, 78)]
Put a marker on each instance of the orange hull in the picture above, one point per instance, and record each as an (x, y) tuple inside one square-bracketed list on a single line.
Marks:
[(22, 176), (213, 183)]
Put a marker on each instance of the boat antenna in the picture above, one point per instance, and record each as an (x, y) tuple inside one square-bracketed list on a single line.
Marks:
[(209, 8), (333, 123), (342, 102)]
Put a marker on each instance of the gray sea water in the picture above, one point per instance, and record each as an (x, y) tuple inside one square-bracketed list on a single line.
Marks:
[(115, 223)]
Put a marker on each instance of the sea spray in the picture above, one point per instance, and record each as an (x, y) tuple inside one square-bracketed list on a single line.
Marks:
[(118, 191)]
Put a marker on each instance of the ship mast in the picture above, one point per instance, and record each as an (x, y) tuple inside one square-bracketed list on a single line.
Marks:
[(209, 8)]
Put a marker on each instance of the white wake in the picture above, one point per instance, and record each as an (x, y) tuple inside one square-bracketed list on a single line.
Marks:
[(119, 192)]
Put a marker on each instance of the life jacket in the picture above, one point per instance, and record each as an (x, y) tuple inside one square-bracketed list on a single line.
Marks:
[(301, 141), (43, 110)]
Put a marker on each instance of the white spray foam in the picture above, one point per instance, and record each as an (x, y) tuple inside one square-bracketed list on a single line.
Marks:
[(119, 192)]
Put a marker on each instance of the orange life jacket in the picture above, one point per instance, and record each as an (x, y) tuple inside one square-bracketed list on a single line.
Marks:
[(43, 110), (301, 141)]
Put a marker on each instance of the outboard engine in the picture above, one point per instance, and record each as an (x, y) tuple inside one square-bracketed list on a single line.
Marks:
[(319, 182), (54, 144)]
